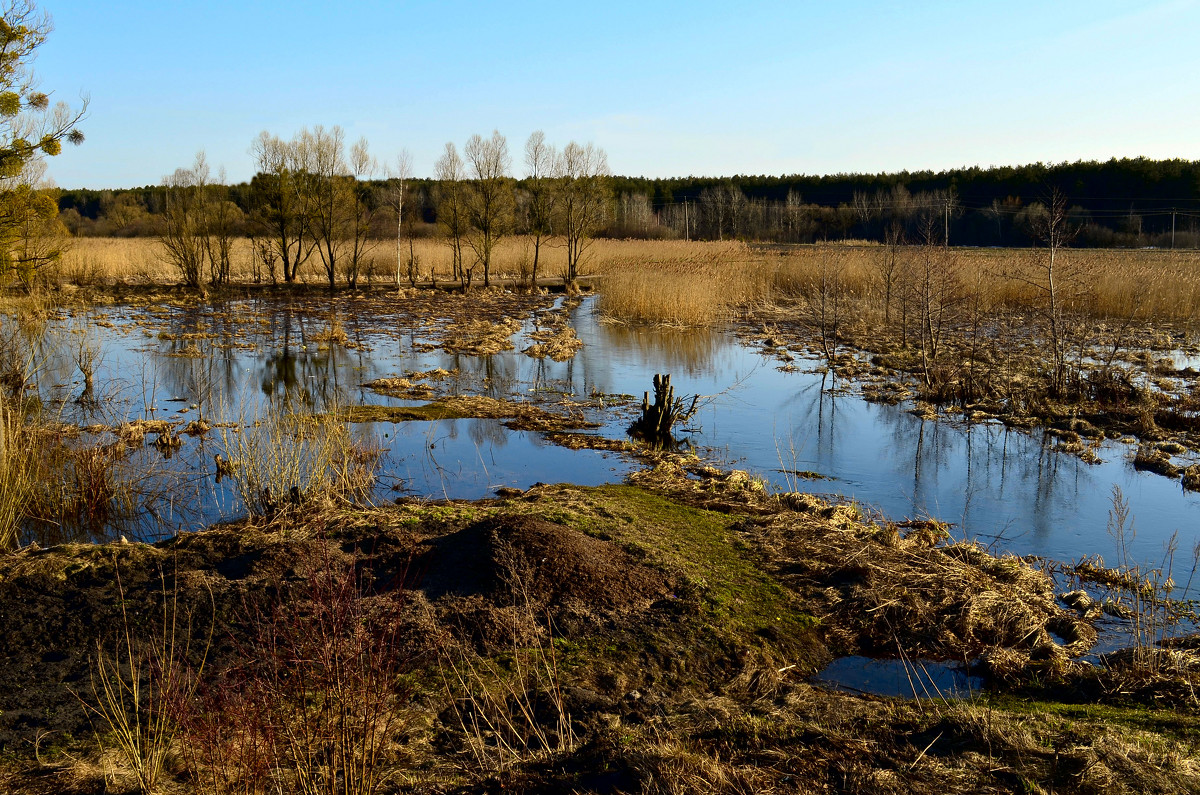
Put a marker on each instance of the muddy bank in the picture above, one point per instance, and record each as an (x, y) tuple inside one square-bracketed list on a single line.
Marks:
[(652, 637)]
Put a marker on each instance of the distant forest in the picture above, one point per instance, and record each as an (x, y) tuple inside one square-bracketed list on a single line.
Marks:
[(1127, 202)]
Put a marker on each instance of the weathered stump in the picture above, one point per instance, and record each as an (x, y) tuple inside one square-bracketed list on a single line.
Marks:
[(658, 417)]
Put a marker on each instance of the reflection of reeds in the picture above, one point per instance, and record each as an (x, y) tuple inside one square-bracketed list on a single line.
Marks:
[(286, 458), (47, 480), (1142, 594)]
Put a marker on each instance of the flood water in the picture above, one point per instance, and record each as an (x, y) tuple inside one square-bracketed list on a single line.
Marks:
[(926, 679), (1003, 487)]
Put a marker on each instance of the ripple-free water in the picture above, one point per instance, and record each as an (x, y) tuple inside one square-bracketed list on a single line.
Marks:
[(1001, 486)]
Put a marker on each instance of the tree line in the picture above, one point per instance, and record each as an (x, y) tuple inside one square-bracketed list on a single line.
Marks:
[(316, 201), (1119, 202), (474, 199)]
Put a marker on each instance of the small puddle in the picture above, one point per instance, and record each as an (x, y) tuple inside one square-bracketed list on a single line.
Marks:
[(899, 678)]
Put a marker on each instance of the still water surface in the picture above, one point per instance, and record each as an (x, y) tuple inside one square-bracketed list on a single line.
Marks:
[(1000, 486)]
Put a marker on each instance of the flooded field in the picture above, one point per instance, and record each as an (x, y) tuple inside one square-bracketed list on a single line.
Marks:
[(230, 363), (692, 589)]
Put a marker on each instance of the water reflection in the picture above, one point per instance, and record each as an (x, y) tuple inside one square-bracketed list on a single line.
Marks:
[(899, 678), (230, 361)]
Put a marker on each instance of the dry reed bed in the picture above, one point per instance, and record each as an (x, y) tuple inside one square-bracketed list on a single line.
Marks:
[(1150, 285), (680, 286), (143, 260), (693, 283), (887, 589)]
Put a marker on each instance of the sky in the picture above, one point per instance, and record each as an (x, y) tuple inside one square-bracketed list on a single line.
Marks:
[(665, 88)]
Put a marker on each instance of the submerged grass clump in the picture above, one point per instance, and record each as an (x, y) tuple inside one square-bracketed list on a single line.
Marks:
[(53, 484), (284, 458)]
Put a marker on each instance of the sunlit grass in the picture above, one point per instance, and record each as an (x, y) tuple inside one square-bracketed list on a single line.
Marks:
[(685, 283), (283, 458), (679, 285)]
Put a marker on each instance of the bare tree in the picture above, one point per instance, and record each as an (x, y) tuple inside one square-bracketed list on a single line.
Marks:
[(583, 199), (539, 160), (896, 209), (361, 209), (221, 225), (823, 304), (1060, 284), (937, 294), (282, 207), (452, 213), (996, 211), (490, 196), (183, 226), (720, 208), (398, 177), (331, 197), (889, 265)]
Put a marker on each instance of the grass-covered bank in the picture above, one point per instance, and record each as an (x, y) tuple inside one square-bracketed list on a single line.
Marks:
[(651, 637)]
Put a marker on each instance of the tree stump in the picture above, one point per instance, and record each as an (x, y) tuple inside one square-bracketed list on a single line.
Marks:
[(658, 417)]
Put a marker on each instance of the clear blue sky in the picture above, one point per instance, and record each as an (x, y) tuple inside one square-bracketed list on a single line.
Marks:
[(666, 88)]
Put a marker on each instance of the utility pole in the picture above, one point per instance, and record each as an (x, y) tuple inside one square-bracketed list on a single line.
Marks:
[(687, 233), (947, 223), (1172, 228)]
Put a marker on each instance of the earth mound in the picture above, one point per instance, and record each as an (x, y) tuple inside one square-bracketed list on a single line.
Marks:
[(537, 560)]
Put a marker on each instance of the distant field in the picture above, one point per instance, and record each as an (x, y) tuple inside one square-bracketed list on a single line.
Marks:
[(142, 260), (687, 283)]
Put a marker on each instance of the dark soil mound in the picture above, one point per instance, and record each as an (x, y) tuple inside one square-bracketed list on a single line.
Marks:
[(545, 562)]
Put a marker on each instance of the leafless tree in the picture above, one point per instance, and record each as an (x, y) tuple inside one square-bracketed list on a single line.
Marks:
[(222, 219), (539, 161), (889, 264), (582, 201), (331, 196), (823, 297), (489, 197), (1061, 283), (722, 209), (183, 225), (282, 207), (936, 292), (360, 208), (452, 212), (398, 177)]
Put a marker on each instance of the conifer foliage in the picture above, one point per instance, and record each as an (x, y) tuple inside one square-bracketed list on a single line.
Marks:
[(30, 130)]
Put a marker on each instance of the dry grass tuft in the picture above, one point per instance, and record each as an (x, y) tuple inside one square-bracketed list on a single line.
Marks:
[(558, 344), (480, 337), (17, 474), (286, 459)]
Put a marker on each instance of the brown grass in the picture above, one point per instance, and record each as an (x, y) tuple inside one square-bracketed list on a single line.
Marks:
[(96, 260), (670, 283), (698, 283), (683, 283)]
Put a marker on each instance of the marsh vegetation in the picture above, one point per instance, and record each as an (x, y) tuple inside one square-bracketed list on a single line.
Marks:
[(257, 537)]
